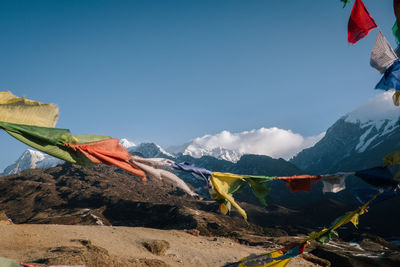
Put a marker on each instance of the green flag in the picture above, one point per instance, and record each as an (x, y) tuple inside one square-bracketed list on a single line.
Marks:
[(48, 140)]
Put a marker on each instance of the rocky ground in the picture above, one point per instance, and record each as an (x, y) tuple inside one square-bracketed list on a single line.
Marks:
[(113, 214)]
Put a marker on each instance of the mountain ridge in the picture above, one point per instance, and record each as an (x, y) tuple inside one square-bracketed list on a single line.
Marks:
[(357, 140)]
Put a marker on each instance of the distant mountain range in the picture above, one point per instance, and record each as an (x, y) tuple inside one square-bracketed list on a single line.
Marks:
[(357, 140)]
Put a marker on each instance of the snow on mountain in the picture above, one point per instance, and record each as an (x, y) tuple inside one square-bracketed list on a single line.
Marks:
[(216, 152), (31, 159), (359, 139), (126, 143), (378, 113), (273, 142), (375, 111), (150, 150)]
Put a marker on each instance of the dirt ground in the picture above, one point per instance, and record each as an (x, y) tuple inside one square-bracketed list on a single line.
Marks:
[(119, 246)]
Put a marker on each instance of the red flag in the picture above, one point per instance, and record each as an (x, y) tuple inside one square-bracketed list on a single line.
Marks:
[(360, 22), (300, 182), (108, 152)]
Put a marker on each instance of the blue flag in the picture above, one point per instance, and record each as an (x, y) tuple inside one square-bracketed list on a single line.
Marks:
[(391, 78)]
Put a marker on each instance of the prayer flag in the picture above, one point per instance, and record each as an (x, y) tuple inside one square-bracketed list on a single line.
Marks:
[(382, 55), (300, 182), (148, 166), (225, 184), (267, 259), (109, 152), (360, 22), (48, 140), (325, 235), (391, 78), (380, 177), (396, 98), (200, 172), (20, 110), (334, 183)]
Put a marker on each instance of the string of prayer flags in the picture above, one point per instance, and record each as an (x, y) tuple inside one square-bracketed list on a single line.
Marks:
[(61, 144), (267, 259), (276, 258), (326, 234), (282, 257), (20, 110), (360, 22)]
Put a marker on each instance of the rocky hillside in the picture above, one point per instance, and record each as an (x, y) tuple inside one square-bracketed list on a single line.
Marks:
[(104, 195)]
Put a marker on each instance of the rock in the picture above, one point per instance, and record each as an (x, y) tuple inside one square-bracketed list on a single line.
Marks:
[(86, 254), (157, 247), (4, 219)]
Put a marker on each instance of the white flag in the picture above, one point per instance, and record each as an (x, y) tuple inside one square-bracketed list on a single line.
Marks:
[(382, 55)]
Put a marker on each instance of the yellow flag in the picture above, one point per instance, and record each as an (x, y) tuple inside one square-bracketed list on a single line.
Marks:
[(264, 260), (223, 182), (19, 110)]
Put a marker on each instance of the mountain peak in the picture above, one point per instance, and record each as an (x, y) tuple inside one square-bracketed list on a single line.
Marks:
[(150, 150), (359, 139), (375, 111), (31, 159), (126, 143)]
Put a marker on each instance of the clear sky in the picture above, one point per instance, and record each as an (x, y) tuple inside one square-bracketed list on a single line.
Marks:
[(168, 71)]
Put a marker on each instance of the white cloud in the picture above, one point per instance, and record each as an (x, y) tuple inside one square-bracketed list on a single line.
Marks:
[(274, 142)]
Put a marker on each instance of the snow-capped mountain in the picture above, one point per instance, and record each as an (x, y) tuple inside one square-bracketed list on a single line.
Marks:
[(150, 150), (273, 142), (359, 139), (31, 159), (216, 152), (126, 143)]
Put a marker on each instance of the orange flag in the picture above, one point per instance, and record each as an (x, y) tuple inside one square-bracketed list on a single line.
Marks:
[(108, 152)]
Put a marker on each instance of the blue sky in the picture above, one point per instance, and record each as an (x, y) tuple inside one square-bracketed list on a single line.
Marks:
[(170, 71)]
